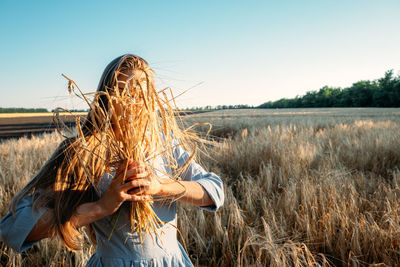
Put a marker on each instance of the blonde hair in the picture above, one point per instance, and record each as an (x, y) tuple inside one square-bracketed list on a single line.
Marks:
[(148, 123)]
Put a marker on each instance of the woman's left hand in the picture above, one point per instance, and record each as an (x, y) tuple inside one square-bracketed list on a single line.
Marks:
[(141, 181)]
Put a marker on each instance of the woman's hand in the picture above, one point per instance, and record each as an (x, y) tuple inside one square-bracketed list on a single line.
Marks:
[(141, 181), (117, 192)]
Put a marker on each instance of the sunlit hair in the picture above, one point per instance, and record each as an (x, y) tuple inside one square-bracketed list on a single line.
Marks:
[(128, 119)]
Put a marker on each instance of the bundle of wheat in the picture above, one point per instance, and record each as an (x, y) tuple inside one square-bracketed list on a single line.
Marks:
[(129, 121)]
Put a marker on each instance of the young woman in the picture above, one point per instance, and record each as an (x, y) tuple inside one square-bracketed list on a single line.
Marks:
[(76, 187)]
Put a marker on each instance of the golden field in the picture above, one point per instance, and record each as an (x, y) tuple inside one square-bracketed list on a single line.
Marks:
[(304, 187)]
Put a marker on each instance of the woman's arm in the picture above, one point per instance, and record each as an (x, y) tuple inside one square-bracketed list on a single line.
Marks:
[(194, 193), (84, 215), (90, 212)]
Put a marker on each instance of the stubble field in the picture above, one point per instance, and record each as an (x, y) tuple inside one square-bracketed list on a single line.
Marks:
[(303, 187)]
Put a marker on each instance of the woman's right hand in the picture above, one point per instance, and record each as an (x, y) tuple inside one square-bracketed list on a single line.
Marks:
[(117, 191)]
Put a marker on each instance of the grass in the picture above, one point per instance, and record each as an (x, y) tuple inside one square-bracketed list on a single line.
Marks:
[(303, 187)]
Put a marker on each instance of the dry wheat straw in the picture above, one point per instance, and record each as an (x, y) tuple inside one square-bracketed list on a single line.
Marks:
[(139, 125)]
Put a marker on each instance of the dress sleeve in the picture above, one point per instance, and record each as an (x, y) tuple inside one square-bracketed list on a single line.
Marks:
[(15, 228), (208, 180)]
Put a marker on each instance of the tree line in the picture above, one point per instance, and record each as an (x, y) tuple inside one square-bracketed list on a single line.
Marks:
[(23, 110), (383, 92), (35, 110), (219, 107)]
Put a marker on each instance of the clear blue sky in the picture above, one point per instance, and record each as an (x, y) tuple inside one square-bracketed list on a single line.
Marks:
[(243, 52)]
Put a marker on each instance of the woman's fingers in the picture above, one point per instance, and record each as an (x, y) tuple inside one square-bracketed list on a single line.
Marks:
[(137, 198), (129, 171), (139, 173), (141, 183), (138, 191), (141, 186), (130, 197), (130, 175)]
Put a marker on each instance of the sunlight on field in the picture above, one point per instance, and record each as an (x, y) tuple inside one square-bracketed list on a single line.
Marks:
[(227, 123), (303, 187)]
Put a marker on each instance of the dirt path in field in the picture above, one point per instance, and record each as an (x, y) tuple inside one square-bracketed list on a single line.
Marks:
[(18, 126)]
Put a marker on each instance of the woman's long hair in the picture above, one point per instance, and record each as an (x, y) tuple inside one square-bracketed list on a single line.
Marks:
[(71, 175)]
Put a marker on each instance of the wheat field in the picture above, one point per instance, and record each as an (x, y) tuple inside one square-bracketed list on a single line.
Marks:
[(304, 187)]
